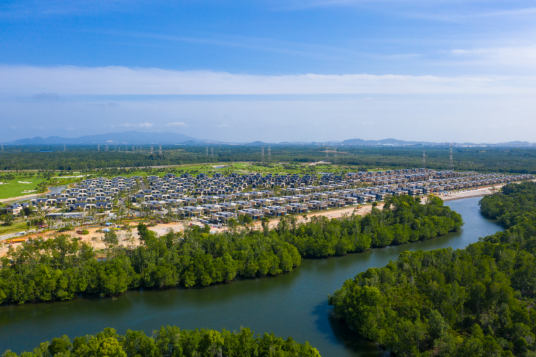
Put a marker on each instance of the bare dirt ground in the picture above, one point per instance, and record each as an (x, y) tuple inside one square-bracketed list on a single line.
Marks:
[(94, 238)]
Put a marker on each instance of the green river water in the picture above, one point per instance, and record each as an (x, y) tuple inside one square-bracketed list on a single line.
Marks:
[(293, 304)]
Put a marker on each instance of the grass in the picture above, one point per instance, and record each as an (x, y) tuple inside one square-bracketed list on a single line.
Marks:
[(14, 228), (12, 188)]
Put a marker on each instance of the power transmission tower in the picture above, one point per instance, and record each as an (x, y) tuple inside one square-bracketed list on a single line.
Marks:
[(269, 155), (212, 150), (335, 154), (327, 154), (63, 147), (106, 148), (160, 149), (207, 151), (424, 159), (151, 150), (98, 147), (2, 147), (450, 158), (262, 154)]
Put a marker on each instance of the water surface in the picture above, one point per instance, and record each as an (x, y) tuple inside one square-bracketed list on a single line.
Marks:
[(293, 304)]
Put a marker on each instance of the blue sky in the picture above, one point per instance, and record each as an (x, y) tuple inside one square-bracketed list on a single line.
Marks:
[(270, 70)]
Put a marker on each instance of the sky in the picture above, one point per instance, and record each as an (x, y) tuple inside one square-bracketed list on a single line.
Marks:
[(292, 70)]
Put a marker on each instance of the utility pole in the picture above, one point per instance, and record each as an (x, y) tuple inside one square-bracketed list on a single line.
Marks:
[(262, 154)]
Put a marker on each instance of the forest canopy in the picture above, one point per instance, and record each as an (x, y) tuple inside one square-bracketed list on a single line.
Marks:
[(172, 342), (476, 301), (63, 267)]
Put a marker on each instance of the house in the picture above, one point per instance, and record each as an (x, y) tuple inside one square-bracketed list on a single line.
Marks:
[(253, 213), (275, 211), (297, 207), (318, 205), (14, 209), (222, 216)]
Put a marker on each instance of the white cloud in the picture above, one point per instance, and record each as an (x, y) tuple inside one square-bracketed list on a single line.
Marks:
[(21, 80), (137, 125), (509, 56), (177, 123)]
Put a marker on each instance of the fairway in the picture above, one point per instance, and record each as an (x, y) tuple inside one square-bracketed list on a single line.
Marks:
[(12, 188)]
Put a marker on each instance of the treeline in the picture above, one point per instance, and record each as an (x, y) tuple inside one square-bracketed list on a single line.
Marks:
[(477, 301), (63, 267), (507, 160), (172, 342)]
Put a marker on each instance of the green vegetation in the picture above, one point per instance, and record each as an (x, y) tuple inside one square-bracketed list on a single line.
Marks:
[(505, 160), (20, 186), (173, 342), (477, 301), (63, 267)]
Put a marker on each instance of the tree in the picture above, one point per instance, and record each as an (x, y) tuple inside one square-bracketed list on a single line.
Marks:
[(111, 240), (8, 219)]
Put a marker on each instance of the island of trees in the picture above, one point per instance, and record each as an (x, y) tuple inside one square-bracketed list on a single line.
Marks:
[(477, 301), (63, 268), (172, 342)]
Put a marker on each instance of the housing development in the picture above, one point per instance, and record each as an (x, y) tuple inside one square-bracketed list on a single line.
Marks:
[(219, 198)]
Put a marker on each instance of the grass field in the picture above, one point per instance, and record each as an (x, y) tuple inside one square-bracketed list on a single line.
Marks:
[(14, 228), (12, 188), (236, 167)]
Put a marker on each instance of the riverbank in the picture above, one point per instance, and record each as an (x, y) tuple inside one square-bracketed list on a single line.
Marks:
[(287, 305)]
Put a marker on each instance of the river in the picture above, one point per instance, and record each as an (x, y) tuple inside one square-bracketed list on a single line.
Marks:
[(293, 304)]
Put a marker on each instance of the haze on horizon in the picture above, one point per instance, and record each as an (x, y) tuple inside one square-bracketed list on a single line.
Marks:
[(294, 70)]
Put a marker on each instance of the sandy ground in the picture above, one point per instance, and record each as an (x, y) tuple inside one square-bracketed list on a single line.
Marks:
[(94, 238)]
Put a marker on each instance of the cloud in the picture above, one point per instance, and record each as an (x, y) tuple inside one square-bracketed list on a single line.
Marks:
[(137, 125), (510, 56), (177, 123), (22, 80)]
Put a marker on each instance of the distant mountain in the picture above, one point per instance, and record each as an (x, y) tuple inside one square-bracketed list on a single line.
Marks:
[(394, 142), (141, 138), (125, 138)]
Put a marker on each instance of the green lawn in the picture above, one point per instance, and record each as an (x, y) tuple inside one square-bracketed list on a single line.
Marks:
[(14, 228), (12, 188), (226, 169)]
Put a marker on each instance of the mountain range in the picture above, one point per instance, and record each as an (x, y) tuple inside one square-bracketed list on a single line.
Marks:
[(125, 138), (142, 138)]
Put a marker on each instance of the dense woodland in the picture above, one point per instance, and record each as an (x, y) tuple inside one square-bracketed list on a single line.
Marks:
[(63, 268), (172, 342), (477, 301), (507, 160)]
